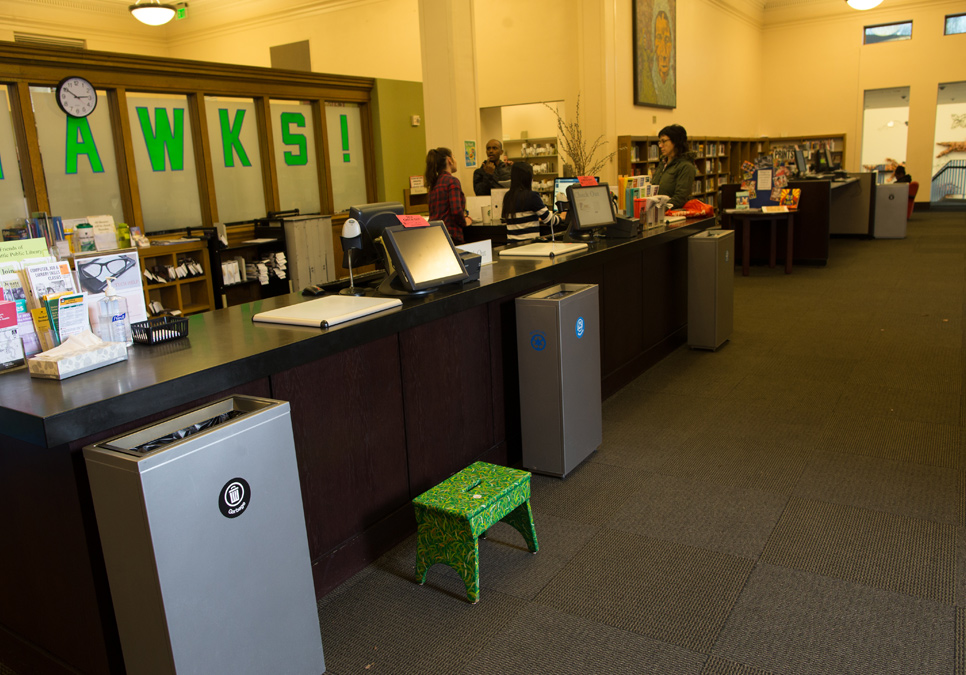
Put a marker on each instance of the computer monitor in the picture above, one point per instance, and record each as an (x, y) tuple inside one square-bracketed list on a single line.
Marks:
[(801, 166), (591, 207), (424, 257), (820, 161), (828, 159), (373, 220), (560, 186)]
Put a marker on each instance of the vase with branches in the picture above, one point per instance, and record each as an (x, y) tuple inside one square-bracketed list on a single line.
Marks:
[(575, 147)]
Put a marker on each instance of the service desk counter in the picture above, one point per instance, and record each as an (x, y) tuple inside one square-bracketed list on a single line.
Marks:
[(826, 207), (382, 409)]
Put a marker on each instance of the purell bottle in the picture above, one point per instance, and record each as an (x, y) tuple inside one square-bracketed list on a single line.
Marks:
[(113, 321)]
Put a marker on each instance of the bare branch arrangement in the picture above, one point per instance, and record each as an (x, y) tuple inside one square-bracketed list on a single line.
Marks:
[(573, 145)]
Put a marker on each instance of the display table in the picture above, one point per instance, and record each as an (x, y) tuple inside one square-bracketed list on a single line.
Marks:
[(745, 219), (382, 410)]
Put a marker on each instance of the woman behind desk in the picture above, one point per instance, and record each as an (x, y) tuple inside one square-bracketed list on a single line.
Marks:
[(446, 199), (674, 175), (523, 210)]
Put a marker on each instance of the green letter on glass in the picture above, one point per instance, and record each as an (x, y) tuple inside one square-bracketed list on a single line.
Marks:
[(230, 140), (163, 138), (301, 158), (80, 141)]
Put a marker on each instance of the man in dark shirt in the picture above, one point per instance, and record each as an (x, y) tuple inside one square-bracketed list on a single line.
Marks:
[(494, 169)]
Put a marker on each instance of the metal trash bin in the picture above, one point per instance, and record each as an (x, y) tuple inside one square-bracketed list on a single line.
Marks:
[(558, 353), (201, 525), (711, 288), (891, 211)]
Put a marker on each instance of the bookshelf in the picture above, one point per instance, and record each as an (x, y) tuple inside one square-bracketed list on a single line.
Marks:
[(541, 153), (190, 295), (718, 159)]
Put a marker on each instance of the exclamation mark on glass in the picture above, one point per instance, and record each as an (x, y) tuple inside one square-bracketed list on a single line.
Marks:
[(345, 137)]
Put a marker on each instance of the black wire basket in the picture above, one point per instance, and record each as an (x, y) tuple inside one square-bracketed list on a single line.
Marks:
[(161, 329)]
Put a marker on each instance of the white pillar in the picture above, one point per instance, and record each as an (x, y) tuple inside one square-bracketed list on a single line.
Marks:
[(447, 36)]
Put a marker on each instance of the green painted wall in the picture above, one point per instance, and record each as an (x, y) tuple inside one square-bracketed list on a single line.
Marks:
[(400, 148)]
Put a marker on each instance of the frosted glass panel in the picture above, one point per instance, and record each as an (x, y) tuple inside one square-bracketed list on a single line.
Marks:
[(346, 162), (295, 159), (165, 161), (12, 207), (78, 158), (235, 161)]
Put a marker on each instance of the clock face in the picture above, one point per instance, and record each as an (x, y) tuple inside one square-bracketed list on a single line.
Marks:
[(76, 96)]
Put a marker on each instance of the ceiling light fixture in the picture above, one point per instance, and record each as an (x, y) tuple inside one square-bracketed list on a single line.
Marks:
[(152, 12), (863, 4)]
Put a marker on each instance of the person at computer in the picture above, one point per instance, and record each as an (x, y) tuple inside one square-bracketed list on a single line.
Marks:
[(675, 172), (900, 175), (493, 170), (523, 209), (446, 199)]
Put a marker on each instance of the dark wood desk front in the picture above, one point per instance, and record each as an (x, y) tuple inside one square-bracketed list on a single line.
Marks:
[(381, 409)]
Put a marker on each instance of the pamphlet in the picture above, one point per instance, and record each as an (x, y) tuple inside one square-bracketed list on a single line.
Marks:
[(741, 200), (105, 233), (11, 351)]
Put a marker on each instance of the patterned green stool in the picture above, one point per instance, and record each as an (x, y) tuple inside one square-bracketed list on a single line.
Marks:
[(454, 514)]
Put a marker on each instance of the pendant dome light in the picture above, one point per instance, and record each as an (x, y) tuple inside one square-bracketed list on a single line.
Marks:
[(152, 12), (863, 4)]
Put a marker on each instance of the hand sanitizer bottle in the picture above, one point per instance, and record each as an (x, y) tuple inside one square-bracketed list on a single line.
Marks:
[(113, 321)]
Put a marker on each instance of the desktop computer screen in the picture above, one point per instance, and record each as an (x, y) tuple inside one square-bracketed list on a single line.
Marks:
[(560, 186), (373, 219), (801, 166), (424, 257), (591, 207)]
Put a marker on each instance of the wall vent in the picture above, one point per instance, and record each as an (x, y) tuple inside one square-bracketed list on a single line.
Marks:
[(49, 41)]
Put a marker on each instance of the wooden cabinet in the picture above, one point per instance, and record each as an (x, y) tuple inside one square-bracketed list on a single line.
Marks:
[(191, 294)]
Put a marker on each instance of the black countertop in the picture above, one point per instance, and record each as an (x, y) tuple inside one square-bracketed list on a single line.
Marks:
[(224, 349)]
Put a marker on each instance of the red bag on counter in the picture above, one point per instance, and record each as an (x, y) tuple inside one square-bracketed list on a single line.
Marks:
[(693, 209)]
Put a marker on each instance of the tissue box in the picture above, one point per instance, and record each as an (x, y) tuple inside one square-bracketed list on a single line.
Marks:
[(75, 364)]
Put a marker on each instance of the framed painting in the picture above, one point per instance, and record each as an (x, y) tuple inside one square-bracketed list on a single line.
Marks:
[(655, 53)]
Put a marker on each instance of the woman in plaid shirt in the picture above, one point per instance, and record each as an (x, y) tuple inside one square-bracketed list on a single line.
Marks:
[(446, 199)]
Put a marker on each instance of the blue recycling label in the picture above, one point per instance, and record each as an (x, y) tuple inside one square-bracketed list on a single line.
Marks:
[(580, 327), (538, 340)]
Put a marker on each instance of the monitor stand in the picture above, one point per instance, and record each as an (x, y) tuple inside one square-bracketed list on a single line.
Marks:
[(391, 286)]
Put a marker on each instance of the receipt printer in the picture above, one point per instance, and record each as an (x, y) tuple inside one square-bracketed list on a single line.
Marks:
[(472, 262)]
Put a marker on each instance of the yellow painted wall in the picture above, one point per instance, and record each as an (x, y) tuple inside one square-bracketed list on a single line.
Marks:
[(375, 38), (526, 51), (833, 78), (718, 92)]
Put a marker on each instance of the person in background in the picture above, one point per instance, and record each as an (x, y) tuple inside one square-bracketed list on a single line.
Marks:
[(900, 175), (446, 199), (493, 170), (674, 174), (523, 210)]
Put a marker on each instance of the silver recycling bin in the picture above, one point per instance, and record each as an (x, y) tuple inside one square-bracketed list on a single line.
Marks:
[(558, 353), (201, 525), (711, 288)]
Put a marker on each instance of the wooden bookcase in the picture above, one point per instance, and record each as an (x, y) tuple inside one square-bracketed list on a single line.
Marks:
[(190, 295), (718, 159)]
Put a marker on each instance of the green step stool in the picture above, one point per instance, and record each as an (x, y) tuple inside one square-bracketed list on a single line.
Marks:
[(454, 514)]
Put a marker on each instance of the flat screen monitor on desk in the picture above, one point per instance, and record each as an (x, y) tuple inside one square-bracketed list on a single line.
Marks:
[(424, 257), (801, 166), (373, 220), (591, 207), (560, 186)]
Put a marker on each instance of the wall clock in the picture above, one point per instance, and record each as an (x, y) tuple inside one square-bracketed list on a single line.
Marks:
[(76, 96)]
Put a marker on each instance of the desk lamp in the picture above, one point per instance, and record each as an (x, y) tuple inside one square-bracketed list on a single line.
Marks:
[(351, 241)]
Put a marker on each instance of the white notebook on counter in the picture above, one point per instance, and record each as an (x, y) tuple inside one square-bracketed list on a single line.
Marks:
[(330, 310), (544, 249)]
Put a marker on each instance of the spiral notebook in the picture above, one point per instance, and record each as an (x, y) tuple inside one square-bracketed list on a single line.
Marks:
[(328, 311)]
